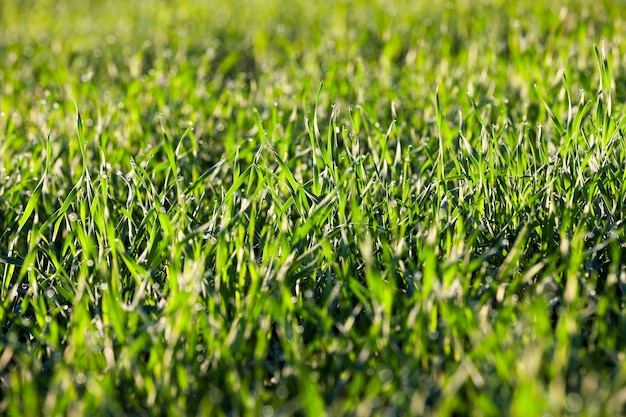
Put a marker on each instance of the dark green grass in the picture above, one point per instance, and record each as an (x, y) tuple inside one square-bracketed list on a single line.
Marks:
[(258, 208)]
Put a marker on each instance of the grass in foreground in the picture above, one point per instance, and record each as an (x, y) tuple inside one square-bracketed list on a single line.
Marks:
[(261, 208)]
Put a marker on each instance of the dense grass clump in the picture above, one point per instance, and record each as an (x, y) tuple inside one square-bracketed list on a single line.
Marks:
[(295, 208)]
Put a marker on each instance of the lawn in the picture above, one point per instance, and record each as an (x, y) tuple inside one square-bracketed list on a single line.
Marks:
[(270, 208)]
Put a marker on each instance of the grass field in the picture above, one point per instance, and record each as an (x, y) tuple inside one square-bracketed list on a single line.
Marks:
[(273, 208)]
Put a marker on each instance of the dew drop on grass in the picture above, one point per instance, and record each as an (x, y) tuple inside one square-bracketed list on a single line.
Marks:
[(385, 375), (267, 411), (215, 395), (574, 403), (282, 392)]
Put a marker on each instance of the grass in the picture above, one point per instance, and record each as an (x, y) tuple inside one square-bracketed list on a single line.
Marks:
[(270, 208)]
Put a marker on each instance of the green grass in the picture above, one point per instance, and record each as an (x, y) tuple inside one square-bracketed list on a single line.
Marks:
[(296, 208)]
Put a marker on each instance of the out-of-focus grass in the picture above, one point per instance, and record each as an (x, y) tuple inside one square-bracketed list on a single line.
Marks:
[(251, 208)]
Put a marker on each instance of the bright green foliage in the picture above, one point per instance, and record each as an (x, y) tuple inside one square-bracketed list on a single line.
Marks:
[(304, 208)]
